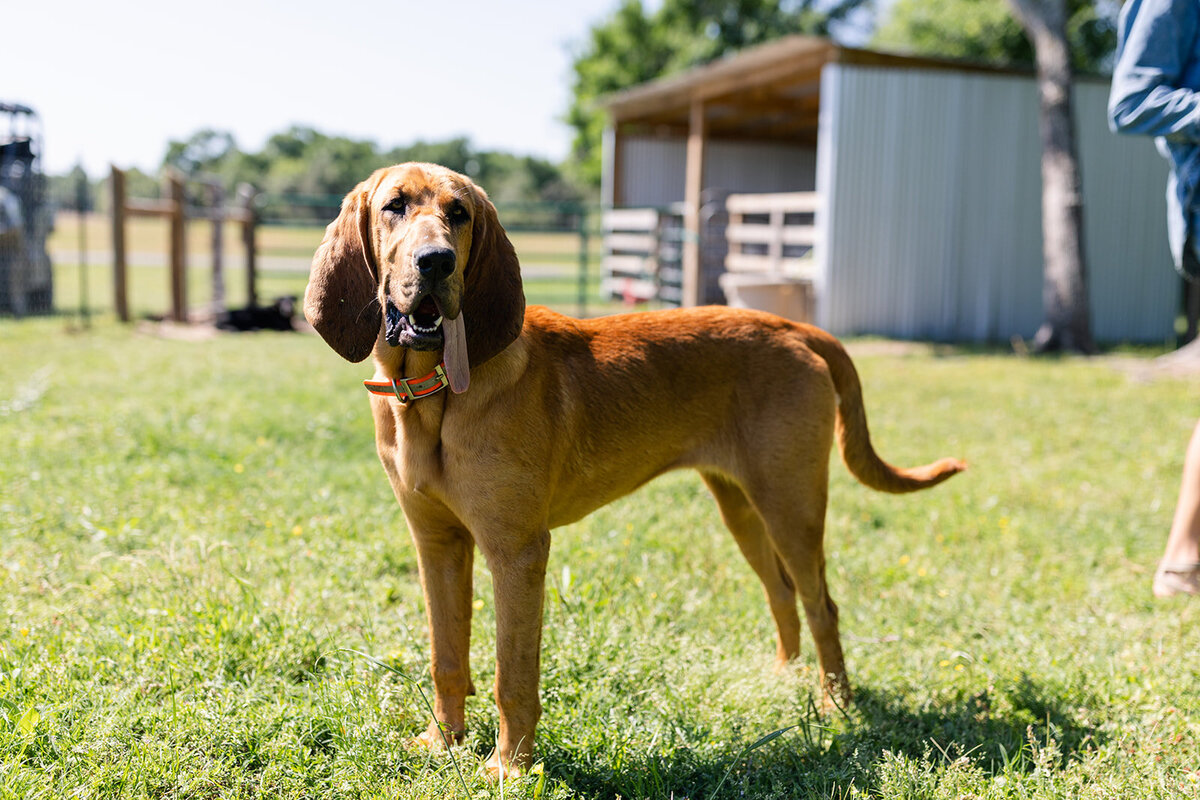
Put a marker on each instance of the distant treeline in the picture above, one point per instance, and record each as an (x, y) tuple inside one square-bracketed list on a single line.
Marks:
[(304, 162)]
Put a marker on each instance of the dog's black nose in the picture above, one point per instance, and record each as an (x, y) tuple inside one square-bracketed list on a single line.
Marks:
[(435, 263)]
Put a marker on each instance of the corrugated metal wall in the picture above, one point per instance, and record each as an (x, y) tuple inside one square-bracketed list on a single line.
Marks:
[(932, 219), (653, 169)]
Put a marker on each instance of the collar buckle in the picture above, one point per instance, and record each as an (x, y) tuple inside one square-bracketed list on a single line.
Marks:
[(402, 390)]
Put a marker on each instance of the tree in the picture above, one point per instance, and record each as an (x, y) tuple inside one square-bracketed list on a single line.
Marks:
[(200, 152), (303, 161), (1064, 287), (987, 31), (632, 47), (64, 190)]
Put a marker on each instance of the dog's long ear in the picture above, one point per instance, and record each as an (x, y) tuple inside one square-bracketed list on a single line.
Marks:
[(341, 301), (493, 298)]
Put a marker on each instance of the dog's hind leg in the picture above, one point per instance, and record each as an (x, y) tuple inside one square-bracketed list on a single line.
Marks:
[(750, 533)]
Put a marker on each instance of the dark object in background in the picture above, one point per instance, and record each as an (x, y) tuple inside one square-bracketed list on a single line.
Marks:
[(275, 317), (26, 275)]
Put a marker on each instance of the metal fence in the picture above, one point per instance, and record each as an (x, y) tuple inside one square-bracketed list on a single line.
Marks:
[(559, 246)]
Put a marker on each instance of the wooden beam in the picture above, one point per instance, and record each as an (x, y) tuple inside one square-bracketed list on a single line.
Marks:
[(655, 129), (765, 203), (805, 69), (767, 131), (809, 105), (249, 219), (150, 208), (216, 195), (801, 76), (763, 64), (116, 185), (178, 248), (693, 188)]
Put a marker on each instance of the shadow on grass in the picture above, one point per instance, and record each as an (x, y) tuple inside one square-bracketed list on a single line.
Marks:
[(995, 734)]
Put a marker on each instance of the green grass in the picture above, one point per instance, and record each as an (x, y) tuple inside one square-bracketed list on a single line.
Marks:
[(194, 535)]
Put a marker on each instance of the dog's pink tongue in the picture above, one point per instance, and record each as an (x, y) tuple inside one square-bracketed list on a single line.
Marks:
[(454, 353)]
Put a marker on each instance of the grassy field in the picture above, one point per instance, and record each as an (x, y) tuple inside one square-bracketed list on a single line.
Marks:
[(196, 537)]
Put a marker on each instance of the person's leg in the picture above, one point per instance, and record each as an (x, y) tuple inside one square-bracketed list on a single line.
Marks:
[(1179, 570)]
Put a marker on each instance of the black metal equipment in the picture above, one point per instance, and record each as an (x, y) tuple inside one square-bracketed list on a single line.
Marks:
[(26, 277)]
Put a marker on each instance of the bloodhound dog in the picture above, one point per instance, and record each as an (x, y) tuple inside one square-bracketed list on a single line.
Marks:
[(496, 423)]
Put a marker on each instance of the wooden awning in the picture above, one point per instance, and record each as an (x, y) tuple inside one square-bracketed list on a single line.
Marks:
[(771, 91), (768, 92)]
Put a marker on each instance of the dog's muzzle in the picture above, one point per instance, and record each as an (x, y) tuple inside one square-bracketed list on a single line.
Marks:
[(420, 329)]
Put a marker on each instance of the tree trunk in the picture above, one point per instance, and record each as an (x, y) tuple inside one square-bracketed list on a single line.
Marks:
[(1064, 290)]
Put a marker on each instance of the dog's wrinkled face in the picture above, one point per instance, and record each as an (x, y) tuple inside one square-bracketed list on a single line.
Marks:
[(422, 225), (417, 260)]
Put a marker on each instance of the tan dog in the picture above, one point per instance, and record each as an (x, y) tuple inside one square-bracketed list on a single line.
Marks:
[(554, 417)]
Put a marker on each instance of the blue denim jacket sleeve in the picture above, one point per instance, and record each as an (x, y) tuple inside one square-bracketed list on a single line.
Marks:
[(1153, 88), (1155, 92)]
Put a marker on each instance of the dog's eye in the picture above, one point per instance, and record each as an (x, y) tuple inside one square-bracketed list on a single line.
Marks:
[(457, 213), (396, 205)]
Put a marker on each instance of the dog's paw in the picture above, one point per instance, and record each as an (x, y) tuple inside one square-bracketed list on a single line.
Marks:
[(838, 695), (784, 664), (497, 768), (437, 737)]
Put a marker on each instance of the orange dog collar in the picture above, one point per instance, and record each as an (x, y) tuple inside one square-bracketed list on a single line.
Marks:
[(405, 389)]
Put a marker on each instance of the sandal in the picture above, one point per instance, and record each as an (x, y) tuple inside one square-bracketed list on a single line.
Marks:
[(1180, 577)]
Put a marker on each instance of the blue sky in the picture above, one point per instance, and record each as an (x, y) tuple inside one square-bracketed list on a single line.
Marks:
[(115, 81)]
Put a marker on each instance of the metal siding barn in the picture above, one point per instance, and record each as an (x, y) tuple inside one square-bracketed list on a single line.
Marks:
[(929, 180), (933, 199), (1125, 220), (652, 171), (652, 168), (932, 222)]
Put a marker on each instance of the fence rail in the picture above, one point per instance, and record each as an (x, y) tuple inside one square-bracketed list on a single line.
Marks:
[(642, 253), (175, 209), (751, 238), (772, 233), (559, 246)]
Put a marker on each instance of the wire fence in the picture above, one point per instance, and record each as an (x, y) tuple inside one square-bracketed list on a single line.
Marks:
[(559, 246)]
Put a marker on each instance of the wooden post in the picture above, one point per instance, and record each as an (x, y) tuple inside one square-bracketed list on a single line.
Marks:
[(246, 195), (775, 246), (116, 185), (694, 186), (583, 262), (216, 196), (83, 205), (175, 194), (614, 189)]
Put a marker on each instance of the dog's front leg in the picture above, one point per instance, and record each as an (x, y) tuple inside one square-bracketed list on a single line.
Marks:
[(445, 559), (518, 566)]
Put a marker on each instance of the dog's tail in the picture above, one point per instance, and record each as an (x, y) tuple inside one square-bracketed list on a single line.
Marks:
[(854, 439)]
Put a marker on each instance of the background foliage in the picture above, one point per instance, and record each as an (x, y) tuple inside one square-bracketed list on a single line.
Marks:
[(634, 45), (986, 31), (304, 161)]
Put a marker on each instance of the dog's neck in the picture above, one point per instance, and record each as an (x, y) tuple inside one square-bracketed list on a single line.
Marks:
[(394, 363), (420, 419)]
